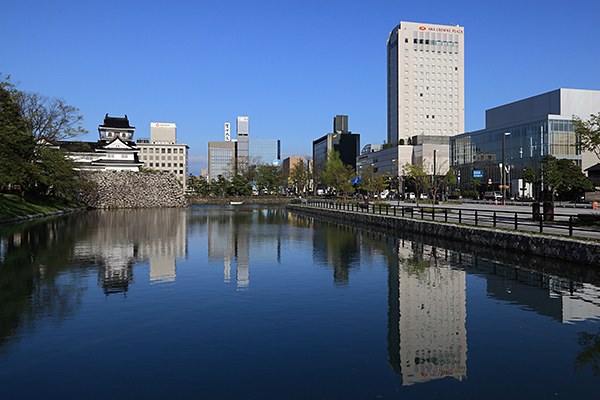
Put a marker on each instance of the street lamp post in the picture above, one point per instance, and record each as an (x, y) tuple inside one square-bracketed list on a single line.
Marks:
[(522, 170), (502, 170), (398, 179)]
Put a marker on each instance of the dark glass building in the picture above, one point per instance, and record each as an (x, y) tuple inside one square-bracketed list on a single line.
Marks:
[(346, 143)]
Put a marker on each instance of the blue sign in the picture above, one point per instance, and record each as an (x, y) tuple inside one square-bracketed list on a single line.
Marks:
[(477, 173)]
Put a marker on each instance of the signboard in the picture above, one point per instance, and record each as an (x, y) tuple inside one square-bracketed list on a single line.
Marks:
[(477, 173)]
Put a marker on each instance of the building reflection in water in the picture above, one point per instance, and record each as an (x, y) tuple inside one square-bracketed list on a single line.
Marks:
[(241, 234), (564, 299), (427, 336), (122, 238)]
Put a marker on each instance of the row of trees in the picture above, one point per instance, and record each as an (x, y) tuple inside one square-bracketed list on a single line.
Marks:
[(244, 178), (344, 180), (29, 124)]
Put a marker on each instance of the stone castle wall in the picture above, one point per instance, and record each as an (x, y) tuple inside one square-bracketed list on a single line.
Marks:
[(121, 189)]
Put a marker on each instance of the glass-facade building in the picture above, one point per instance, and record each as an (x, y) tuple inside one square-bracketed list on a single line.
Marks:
[(220, 158), (531, 128), (265, 151)]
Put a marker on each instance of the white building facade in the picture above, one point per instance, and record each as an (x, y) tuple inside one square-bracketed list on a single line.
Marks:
[(162, 152), (425, 80)]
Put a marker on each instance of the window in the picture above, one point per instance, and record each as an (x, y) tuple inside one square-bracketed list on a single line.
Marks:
[(169, 151), (162, 150)]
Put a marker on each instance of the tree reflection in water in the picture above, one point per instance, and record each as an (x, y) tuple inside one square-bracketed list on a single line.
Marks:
[(590, 353)]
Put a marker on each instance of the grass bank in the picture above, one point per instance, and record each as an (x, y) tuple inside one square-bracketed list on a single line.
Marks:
[(12, 206)]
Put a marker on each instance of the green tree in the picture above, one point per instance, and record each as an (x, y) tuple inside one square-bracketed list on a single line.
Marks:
[(55, 174), (27, 160), (269, 178), (198, 185), (476, 183), (529, 176), (240, 186), (450, 178), (371, 181), (573, 181), (336, 175), (219, 186), (550, 176), (17, 147), (588, 133), (419, 178), (299, 177)]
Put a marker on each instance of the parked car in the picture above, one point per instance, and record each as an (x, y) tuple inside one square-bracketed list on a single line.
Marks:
[(492, 196)]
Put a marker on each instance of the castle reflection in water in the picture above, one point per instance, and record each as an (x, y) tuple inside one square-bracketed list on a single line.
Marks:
[(122, 238)]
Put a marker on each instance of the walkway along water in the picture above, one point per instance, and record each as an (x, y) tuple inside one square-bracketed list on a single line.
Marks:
[(562, 248)]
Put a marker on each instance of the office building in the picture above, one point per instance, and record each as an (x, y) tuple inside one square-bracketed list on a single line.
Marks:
[(243, 132), (265, 151), (431, 152), (221, 156), (346, 143), (287, 166), (425, 70), (162, 152), (531, 128)]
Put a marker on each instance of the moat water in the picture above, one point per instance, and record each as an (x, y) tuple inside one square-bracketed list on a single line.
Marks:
[(254, 302)]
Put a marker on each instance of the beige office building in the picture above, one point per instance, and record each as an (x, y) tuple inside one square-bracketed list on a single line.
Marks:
[(162, 152), (425, 80)]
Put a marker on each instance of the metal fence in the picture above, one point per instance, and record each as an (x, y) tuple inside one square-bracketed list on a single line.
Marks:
[(550, 223)]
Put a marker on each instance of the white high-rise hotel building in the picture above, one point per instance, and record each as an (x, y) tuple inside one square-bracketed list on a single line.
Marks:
[(425, 80)]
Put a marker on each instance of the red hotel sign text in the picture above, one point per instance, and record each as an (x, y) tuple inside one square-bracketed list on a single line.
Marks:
[(443, 30)]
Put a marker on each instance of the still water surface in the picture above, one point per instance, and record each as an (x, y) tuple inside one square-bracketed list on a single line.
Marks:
[(253, 302)]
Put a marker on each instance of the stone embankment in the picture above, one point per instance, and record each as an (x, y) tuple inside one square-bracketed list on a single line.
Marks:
[(120, 189), (579, 251), (215, 200)]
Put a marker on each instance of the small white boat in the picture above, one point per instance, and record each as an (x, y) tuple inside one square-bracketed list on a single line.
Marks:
[(236, 203)]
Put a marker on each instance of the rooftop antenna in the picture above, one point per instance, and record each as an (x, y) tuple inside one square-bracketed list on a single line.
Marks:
[(454, 24)]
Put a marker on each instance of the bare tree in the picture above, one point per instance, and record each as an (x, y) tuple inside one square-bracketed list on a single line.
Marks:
[(49, 119)]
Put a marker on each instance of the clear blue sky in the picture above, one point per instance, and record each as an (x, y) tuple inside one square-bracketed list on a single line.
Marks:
[(289, 66)]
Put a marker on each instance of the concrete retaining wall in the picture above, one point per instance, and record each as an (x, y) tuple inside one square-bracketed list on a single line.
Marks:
[(546, 246), (120, 189)]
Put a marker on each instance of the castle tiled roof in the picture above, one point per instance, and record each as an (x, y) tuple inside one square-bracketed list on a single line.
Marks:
[(116, 122)]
